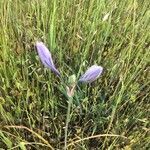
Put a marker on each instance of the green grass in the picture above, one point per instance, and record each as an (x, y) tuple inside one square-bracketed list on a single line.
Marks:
[(111, 113)]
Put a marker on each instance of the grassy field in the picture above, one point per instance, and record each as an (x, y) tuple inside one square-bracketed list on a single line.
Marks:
[(112, 112)]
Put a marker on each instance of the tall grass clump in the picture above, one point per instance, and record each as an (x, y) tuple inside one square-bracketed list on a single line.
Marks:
[(110, 113)]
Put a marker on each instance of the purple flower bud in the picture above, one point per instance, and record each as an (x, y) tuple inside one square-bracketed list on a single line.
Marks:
[(91, 74), (46, 57)]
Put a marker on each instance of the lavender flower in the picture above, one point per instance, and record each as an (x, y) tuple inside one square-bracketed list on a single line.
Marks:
[(45, 57), (91, 74)]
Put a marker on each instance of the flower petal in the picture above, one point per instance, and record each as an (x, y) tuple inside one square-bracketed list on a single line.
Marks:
[(91, 74), (45, 57)]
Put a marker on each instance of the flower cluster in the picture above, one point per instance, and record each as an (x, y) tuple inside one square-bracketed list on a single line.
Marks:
[(89, 76)]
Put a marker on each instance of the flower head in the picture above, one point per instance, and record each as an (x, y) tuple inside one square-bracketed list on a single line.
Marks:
[(45, 57), (91, 74)]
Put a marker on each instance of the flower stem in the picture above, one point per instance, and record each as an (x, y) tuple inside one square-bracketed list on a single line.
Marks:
[(67, 121)]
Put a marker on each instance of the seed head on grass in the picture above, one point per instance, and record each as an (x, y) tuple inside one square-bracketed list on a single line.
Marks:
[(45, 57), (91, 74)]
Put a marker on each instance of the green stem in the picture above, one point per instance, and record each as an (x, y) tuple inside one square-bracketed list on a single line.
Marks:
[(67, 121)]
